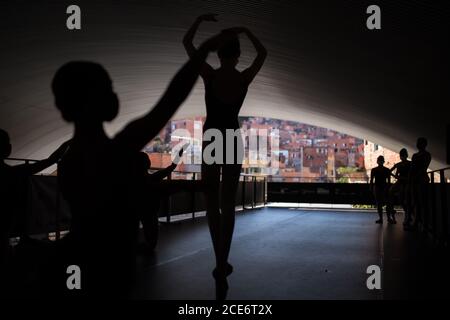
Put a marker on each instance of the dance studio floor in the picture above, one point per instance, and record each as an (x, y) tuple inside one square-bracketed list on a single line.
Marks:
[(281, 253)]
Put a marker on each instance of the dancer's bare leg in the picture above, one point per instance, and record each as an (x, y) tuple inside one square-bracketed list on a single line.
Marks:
[(211, 180), (230, 181)]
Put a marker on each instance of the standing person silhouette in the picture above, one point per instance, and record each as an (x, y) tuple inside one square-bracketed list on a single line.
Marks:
[(13, 188), (225, 91), (98, 177), (419, 181), (151, 183), (380, 178), (400, 171), (13, 194)]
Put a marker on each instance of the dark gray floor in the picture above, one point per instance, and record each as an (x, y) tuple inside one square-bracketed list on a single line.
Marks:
[(414, 266), (277, 254)]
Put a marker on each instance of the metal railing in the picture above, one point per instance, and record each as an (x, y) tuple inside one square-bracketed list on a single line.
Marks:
[(26, 161), (438, 207), (320, 179), (259, 189), (50, 213), (252, 191), (431, 200)]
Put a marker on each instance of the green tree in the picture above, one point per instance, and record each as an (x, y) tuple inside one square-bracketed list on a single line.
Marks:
[(342, 174)]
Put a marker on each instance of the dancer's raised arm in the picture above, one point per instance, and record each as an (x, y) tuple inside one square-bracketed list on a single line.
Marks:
[(29, 169), (161, 174), (189, 39), (139, 132), (253, 70)]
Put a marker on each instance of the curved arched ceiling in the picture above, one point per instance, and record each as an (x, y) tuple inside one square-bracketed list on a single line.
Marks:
[(324, 66)]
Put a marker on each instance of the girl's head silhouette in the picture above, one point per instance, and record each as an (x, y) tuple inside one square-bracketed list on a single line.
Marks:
[(422, 143), (403, 154), (230, 51), (84, 94)]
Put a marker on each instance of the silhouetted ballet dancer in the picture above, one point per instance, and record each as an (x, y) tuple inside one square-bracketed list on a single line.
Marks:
[(97, 175), (13, 193), (225, 91), (380, 187), (150, 186), (419, 181), (400, 189)]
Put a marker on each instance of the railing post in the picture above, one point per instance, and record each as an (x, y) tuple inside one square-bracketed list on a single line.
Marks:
[(433, 207), (243, 192), (167, 202), (28, 209), (193, 196), (444, 206), (264, 191), (58, 215), (254, 192)]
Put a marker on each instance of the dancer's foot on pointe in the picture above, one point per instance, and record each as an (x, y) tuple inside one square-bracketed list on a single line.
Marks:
[(221, 288), (221, 281)]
